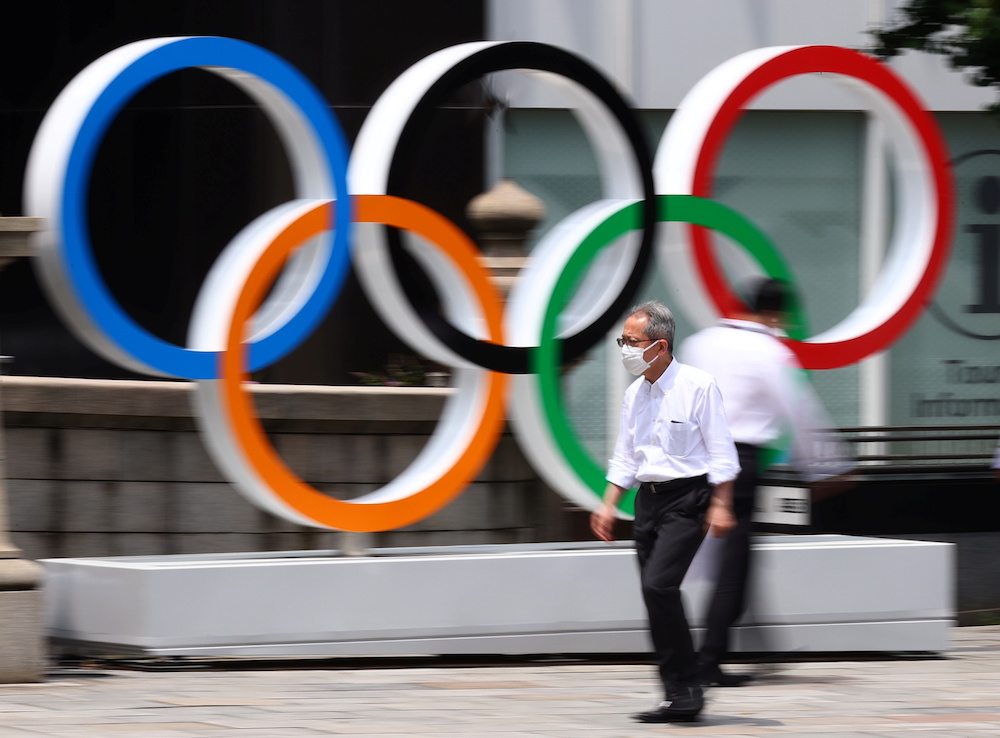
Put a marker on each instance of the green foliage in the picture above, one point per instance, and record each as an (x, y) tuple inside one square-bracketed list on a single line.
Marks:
[(967, 32), (399, 371)]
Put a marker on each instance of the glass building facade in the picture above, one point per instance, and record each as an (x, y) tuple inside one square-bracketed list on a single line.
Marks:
[(799, 176)]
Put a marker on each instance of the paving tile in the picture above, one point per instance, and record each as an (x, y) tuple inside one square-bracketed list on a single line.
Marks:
[(877, 697)]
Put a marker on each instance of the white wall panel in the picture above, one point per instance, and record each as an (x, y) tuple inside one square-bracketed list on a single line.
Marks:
[(658, 49)]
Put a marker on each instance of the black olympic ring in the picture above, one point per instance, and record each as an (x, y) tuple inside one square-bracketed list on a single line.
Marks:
[(538, 57)]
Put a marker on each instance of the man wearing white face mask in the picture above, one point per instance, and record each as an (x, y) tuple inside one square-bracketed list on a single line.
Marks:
[(674, 443)]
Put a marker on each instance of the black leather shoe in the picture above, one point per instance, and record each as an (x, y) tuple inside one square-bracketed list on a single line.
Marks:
[(719, 678), (683, 706)]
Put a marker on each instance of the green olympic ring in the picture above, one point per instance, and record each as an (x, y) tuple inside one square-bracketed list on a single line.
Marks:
[(546, 358)]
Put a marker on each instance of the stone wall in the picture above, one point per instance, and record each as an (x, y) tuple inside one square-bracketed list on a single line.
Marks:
[(114, 468), (118, 468)]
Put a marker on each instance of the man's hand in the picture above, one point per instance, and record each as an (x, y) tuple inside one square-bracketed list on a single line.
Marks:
[(602, 522), (719, 519)]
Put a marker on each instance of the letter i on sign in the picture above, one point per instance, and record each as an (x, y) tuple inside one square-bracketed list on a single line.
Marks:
[(988, 247)]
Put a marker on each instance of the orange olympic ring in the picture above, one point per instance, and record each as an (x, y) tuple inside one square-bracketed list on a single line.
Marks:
[(258, 452)]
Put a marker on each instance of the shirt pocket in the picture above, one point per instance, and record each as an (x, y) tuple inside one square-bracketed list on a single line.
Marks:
[(677, 436)]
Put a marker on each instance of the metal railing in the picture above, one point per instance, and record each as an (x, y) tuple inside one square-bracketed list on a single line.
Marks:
[(921, 446)]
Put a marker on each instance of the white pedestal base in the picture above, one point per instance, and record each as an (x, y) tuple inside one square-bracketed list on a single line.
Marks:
[(809, 593)]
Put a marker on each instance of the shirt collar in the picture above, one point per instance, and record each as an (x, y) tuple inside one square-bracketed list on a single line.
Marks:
[(666, 380), (746, 325)]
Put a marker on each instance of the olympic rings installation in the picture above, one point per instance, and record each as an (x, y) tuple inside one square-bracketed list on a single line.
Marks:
[(583, 275)]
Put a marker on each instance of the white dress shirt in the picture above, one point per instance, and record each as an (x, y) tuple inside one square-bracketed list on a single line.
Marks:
[(673, 428), (766, 393)]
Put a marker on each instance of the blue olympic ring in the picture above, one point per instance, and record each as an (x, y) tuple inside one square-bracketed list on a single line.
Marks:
[(181, 54)]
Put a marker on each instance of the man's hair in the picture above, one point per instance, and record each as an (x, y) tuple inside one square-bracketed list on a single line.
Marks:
[(659, 321), (769, 296)]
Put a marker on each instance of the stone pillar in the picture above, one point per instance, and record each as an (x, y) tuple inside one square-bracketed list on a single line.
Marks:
[(502, 217), (22, 614)]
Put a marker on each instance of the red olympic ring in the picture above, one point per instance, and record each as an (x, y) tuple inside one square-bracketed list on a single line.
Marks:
[(836, 60)]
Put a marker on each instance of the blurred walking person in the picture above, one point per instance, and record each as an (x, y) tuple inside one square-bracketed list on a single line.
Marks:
[(765, 395)]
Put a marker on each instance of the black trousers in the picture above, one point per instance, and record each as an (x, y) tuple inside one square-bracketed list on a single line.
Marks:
[(668, 529), (729, 597)]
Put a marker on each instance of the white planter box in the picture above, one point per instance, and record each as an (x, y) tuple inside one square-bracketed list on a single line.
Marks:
[(810, 593)]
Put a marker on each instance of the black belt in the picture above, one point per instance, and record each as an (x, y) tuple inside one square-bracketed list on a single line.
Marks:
[(673, 484)]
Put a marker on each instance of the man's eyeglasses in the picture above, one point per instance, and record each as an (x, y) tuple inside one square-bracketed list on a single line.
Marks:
[(622, 341)]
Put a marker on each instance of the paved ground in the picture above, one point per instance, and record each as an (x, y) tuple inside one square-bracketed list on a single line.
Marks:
[(952, 694)]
